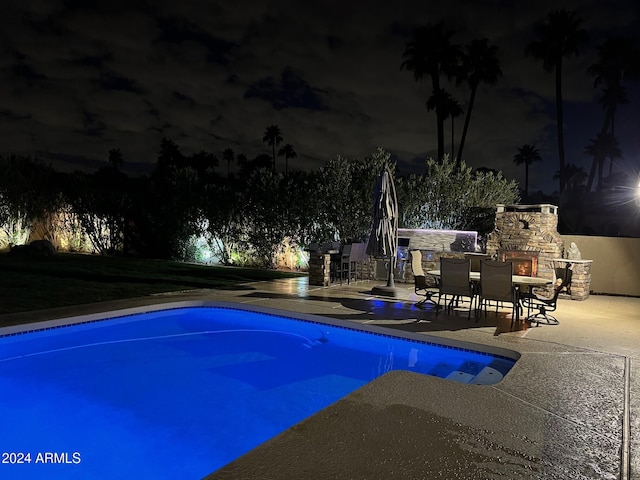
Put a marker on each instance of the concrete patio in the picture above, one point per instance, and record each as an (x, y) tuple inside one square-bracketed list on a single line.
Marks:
[(569, 409)]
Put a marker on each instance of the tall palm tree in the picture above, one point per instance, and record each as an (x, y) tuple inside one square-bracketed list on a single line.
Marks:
[(453, 110), (431, 54), (618, 59), (228, 156), (273, 137), (450, 108), (288, 152), (558, 37), (601, 147), (480, 64), (527, 154)]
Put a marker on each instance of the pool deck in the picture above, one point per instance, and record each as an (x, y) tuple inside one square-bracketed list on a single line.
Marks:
[(569, 409)]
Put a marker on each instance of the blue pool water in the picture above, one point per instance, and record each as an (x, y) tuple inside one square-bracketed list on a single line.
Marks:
[(179, 393)]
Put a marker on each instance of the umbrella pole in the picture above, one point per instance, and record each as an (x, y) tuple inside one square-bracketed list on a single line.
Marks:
[(392, 265), (389, 290)]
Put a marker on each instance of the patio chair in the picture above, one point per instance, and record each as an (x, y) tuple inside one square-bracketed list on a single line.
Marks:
[(348, 262), (475, 260), (361, 261), (537, 300), (422, 288), (496, 285), (455, 281)]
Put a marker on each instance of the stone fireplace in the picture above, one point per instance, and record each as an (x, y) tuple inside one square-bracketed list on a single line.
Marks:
[(527, 235), (525, 262)]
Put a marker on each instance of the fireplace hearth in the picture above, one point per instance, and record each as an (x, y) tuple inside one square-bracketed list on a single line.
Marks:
[(524, 262)]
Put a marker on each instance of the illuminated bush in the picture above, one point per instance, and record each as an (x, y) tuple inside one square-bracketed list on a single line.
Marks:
[(64, 230), (15, 231), (453, 198), (289, 255)]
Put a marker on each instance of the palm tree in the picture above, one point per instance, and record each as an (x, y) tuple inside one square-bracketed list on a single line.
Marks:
[(204, 163), (527, 154), (479, 65), (170, 154), (429, 55), (618, 59), (228, 156), (288, 152), (575, 176), (273, 137), (115, 158), (558, 37), (453, 110), (601, 147), (450, 108)]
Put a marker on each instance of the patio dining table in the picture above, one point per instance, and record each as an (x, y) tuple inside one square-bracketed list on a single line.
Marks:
[(518, 281)]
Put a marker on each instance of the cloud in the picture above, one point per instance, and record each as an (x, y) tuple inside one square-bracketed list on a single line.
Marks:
[(80, 78), (289, 91), (183, 32), (112, 81)]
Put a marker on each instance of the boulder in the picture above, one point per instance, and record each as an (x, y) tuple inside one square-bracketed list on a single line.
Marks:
[(42, 248), (37, 248)]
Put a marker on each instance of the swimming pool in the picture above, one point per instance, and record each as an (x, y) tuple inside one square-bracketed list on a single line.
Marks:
[(179, 392)]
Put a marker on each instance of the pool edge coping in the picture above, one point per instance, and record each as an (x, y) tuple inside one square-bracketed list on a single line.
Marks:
[(155, 307)]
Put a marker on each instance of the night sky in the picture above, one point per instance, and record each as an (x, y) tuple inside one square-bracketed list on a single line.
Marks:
[(81, 77)]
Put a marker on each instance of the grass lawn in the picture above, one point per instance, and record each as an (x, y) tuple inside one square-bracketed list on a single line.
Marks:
[(28, 283)]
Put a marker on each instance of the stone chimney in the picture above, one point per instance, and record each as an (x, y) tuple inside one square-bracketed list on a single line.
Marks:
[(531, 229)]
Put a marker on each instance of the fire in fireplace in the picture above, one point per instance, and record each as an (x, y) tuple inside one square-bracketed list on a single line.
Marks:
[(525, 262)]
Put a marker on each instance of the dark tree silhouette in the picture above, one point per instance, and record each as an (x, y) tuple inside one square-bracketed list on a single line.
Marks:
[(559, 37), (204, 163), (618, 60), (273, 137), (170, 154), (601, 147), (228, 156), (480, 64), (450, 109), (527, 155), (431, 54), (575, 176), (116, 160), (288, 152), (247, 165)]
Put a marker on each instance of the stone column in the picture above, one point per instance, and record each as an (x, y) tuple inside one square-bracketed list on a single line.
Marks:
[(580, 277), (319, 269)]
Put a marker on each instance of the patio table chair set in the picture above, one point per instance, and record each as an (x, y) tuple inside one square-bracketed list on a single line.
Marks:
[(494, 284)]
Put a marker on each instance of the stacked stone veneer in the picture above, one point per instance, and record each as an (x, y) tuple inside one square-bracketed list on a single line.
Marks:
[(319, 269), (531, 228), (580, 277), (440, 240)]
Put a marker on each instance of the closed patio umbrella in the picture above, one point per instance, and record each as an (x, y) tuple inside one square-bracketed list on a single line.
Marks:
[(383, 242)]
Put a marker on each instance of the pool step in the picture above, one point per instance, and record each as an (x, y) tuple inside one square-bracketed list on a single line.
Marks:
[(458, 376), (486, 376)]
